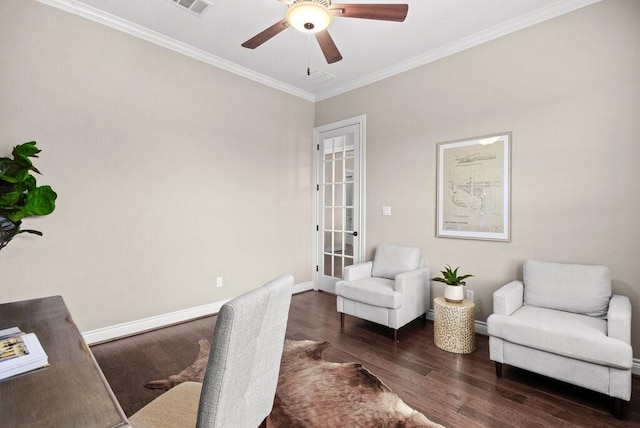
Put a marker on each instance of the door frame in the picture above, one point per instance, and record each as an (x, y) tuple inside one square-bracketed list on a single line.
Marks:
[(361, 122)]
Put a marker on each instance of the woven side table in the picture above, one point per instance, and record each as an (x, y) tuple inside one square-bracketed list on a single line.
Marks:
[(453, 326)]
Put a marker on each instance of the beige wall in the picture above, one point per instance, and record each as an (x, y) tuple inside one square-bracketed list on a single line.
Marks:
[(169, 172), (569, 90)]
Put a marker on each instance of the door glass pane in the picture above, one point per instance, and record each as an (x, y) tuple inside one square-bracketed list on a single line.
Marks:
[(348, 219), (337, 242), (328, 219), (348, 153), (337, 266), (339, 197), (328, 265), (348, 168), (339, 171), (328, 195), (328, 149), (328, 244), (328, 172), (338, 219), (348, 194)]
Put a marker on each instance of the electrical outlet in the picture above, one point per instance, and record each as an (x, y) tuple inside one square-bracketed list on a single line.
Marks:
[(470, 295), (219, 281)]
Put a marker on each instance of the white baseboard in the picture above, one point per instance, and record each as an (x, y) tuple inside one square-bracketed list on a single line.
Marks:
[(302, 287), (481, 328), (140, 326)]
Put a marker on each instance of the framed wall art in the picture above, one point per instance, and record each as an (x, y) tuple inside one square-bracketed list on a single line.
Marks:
[(474, 188)]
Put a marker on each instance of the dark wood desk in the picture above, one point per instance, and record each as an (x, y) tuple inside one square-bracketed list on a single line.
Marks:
[(72, 392)]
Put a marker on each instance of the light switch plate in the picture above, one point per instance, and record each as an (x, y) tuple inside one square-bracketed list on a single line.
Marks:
[(470, 295), (386, 210)]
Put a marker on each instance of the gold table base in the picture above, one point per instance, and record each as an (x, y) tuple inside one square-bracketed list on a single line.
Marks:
[(453, 327)]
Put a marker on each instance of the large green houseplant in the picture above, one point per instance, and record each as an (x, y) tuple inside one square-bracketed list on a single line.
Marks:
[(20, 196)]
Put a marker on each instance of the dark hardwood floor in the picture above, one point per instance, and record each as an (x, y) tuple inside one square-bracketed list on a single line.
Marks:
[(451, 389)]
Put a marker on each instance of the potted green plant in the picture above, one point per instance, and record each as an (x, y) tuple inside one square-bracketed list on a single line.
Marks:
[(453, 291), (20, 196)]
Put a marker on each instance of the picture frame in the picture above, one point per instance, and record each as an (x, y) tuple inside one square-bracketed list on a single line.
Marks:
[(473, 188)]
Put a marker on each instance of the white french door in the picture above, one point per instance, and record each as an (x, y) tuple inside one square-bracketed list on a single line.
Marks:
[(339, 196)]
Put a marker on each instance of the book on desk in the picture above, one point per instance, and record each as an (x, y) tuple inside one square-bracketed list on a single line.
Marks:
[(20, 353)]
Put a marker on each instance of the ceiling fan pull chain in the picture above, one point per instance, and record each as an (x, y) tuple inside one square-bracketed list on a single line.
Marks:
[(309, 53)]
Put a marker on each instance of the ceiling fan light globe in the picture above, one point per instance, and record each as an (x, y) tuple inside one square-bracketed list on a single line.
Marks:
[(309, 16)]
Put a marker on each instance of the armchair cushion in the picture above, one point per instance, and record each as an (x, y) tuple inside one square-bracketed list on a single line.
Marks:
[(390, 260), (576, 336), (581, 289), (371, 291)]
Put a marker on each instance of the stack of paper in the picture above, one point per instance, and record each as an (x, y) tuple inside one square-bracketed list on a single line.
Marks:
[(20, 352)]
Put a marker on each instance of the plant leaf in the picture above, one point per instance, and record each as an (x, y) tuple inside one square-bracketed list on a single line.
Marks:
[(23, 152), (8, 200), (5, 165), (29, 183), (450, 276), (35, 232), (40, 201), (12, 172)]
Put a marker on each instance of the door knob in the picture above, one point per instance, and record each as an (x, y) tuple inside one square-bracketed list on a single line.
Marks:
[(354, 233)]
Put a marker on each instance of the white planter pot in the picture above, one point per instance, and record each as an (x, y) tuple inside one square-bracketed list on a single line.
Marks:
[(454, 293)]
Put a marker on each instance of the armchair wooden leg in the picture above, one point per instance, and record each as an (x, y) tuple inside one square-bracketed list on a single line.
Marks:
[(341, 318), (618, 408), (499, 370), (395, 335)]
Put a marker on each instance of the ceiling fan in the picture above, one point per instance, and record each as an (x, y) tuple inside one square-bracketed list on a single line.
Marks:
[(315, 16)]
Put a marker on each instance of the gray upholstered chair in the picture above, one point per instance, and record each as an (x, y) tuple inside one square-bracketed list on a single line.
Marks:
[(562, 321), (391, 290), (242, 373)]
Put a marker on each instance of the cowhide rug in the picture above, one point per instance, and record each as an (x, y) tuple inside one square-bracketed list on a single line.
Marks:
[(313, 392)]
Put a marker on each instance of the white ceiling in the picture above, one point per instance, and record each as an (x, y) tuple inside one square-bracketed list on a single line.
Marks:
[(372, 50)]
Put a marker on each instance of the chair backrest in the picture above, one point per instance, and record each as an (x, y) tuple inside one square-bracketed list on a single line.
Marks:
[(582, 289), (391, 260), (244, 362)]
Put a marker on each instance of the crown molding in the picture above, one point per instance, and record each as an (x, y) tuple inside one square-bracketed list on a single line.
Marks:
[(141, 32), (552, 11)]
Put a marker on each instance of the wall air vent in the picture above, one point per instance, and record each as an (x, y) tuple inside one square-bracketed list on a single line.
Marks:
[(194, 6)]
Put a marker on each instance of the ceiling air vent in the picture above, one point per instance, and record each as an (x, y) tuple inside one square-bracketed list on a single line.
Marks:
[(194, 6), (317, 77)]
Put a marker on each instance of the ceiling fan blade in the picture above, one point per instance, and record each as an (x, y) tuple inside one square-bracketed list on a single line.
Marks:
[(262, 37), (383, 12), (329, 48)]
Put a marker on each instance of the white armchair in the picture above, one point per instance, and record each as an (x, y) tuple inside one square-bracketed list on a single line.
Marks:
[(562, 321), (391, 290)]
